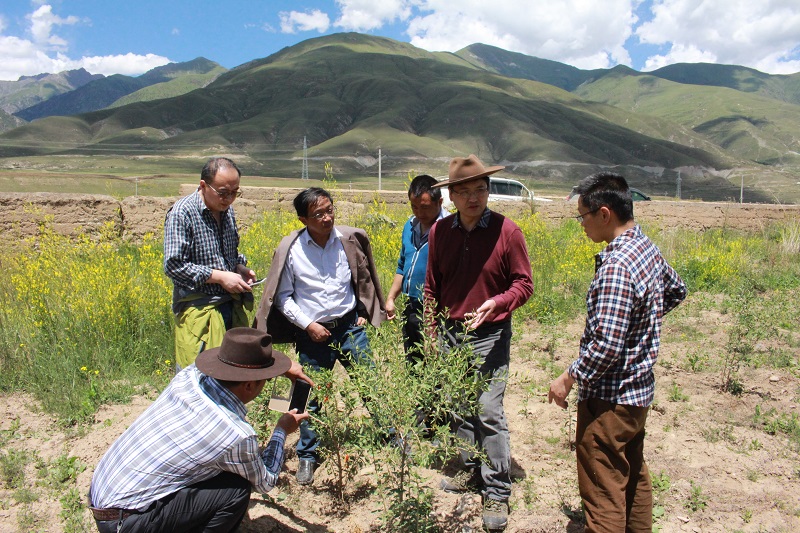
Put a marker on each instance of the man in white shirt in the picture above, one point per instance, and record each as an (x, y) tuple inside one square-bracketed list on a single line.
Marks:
[(321, 291)]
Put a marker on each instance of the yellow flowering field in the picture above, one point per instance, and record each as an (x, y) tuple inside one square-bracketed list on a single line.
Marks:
[(87, 320)]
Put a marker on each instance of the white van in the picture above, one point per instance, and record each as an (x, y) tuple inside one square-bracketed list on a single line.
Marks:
[(502, 189)]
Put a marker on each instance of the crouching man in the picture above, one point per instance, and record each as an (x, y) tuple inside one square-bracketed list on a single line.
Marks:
[(189, 462)]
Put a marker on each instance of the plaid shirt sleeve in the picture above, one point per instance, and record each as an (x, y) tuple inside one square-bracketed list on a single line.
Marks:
[(260, 467), (674, 289), (178, 243), (610, 304)]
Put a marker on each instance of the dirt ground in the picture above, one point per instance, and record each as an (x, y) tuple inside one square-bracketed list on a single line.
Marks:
[(699, 439)]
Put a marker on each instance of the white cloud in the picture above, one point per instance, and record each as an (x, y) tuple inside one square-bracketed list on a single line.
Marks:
[(46, 51), (583, 33), (294, 21), (762, 34), (42, 22), (366, 15)]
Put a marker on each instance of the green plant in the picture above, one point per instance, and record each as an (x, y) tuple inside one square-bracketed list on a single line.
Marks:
[(696, 501), (12, 468), (753, 475), (676, 393), (747, 516), (71, 513)]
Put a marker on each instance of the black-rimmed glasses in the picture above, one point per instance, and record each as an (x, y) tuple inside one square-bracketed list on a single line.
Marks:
[(330, 212), (226, 194), (579, 218)]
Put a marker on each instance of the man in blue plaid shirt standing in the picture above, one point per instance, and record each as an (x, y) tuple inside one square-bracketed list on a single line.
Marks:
[(632, 290), (212, 283)]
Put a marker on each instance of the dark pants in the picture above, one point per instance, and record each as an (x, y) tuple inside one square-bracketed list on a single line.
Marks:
[(613, 477), (215, 505), (354, 345), (412, 330), (491, 346)]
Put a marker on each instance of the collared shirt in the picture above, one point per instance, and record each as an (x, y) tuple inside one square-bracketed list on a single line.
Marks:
[(632, 290), (414, 256), (316, 282), (194, 245), (195, 430), (418, 237)]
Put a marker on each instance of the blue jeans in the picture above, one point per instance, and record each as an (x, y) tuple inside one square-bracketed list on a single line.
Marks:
[(354, 345), (491, 346)]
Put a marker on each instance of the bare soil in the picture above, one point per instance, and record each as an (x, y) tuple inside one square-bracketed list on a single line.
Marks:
[(698, 437)]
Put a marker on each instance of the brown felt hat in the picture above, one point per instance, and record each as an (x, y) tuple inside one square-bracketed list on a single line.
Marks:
[(246, 354), (464, 169)]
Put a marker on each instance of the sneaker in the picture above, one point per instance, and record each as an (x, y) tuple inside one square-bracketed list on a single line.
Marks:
[(305, 471), (463, 481), (495, 514)]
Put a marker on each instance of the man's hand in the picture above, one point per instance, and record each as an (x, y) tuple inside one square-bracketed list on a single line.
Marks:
[(296, 372), (232, 282), (473, 320), (247, 275), (390, 309), (318, 332), (290, 421), (559, 390), (361, 321)]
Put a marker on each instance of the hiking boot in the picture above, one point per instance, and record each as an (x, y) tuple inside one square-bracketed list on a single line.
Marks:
[(463, 481), (495, 514), (305, 471)]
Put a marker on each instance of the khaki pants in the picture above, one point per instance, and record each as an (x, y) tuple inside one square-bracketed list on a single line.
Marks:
[(613, 478)]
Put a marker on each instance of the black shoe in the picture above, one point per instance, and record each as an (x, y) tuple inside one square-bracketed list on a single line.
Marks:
[(305, 471), (495, 514), (463, 481)]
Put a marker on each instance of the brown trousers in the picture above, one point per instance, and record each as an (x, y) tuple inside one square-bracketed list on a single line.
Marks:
[(613, 478)]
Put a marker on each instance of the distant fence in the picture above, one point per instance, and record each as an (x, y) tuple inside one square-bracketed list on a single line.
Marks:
[(21, 214)]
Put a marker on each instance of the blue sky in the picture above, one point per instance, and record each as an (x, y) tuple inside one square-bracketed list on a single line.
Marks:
[(133, 36)]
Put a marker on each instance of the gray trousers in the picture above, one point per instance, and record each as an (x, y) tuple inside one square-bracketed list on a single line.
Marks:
[(491, 346)]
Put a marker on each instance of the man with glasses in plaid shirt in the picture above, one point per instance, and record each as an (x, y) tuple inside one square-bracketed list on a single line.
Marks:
[(212, 284), (632, 290)]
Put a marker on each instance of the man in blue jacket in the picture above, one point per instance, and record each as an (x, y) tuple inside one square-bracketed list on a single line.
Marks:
[(426, 206)]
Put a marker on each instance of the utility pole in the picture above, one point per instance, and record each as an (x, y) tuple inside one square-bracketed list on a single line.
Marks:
[(304, 173), (741, 191), (379, 169), (678, 181)]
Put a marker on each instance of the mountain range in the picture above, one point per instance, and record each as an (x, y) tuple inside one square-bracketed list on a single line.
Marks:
[(348, 95)]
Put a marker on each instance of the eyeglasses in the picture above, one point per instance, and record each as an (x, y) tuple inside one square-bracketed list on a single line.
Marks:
[(579, 218), (466, 195), (226, 194), (330, 212)]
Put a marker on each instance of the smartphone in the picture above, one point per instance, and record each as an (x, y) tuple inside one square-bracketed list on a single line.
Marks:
[(300, 393), (286, 396)]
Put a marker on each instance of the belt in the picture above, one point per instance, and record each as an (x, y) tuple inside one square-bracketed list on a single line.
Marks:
[(347, 318), (105, 515)]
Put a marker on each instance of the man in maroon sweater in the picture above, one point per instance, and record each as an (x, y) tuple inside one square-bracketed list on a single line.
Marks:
[(479, 269)]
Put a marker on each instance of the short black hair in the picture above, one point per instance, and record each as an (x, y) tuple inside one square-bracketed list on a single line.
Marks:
[(606, 189), (309, 197), (424, 184), (214, 165)]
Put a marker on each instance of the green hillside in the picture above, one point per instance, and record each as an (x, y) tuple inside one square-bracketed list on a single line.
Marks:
[(753, 127), (101, 93), (778, 87), (350, 94), (168, 89)]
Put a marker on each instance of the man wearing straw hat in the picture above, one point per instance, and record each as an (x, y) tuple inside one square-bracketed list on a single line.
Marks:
[(479, 270), (189, 462)]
